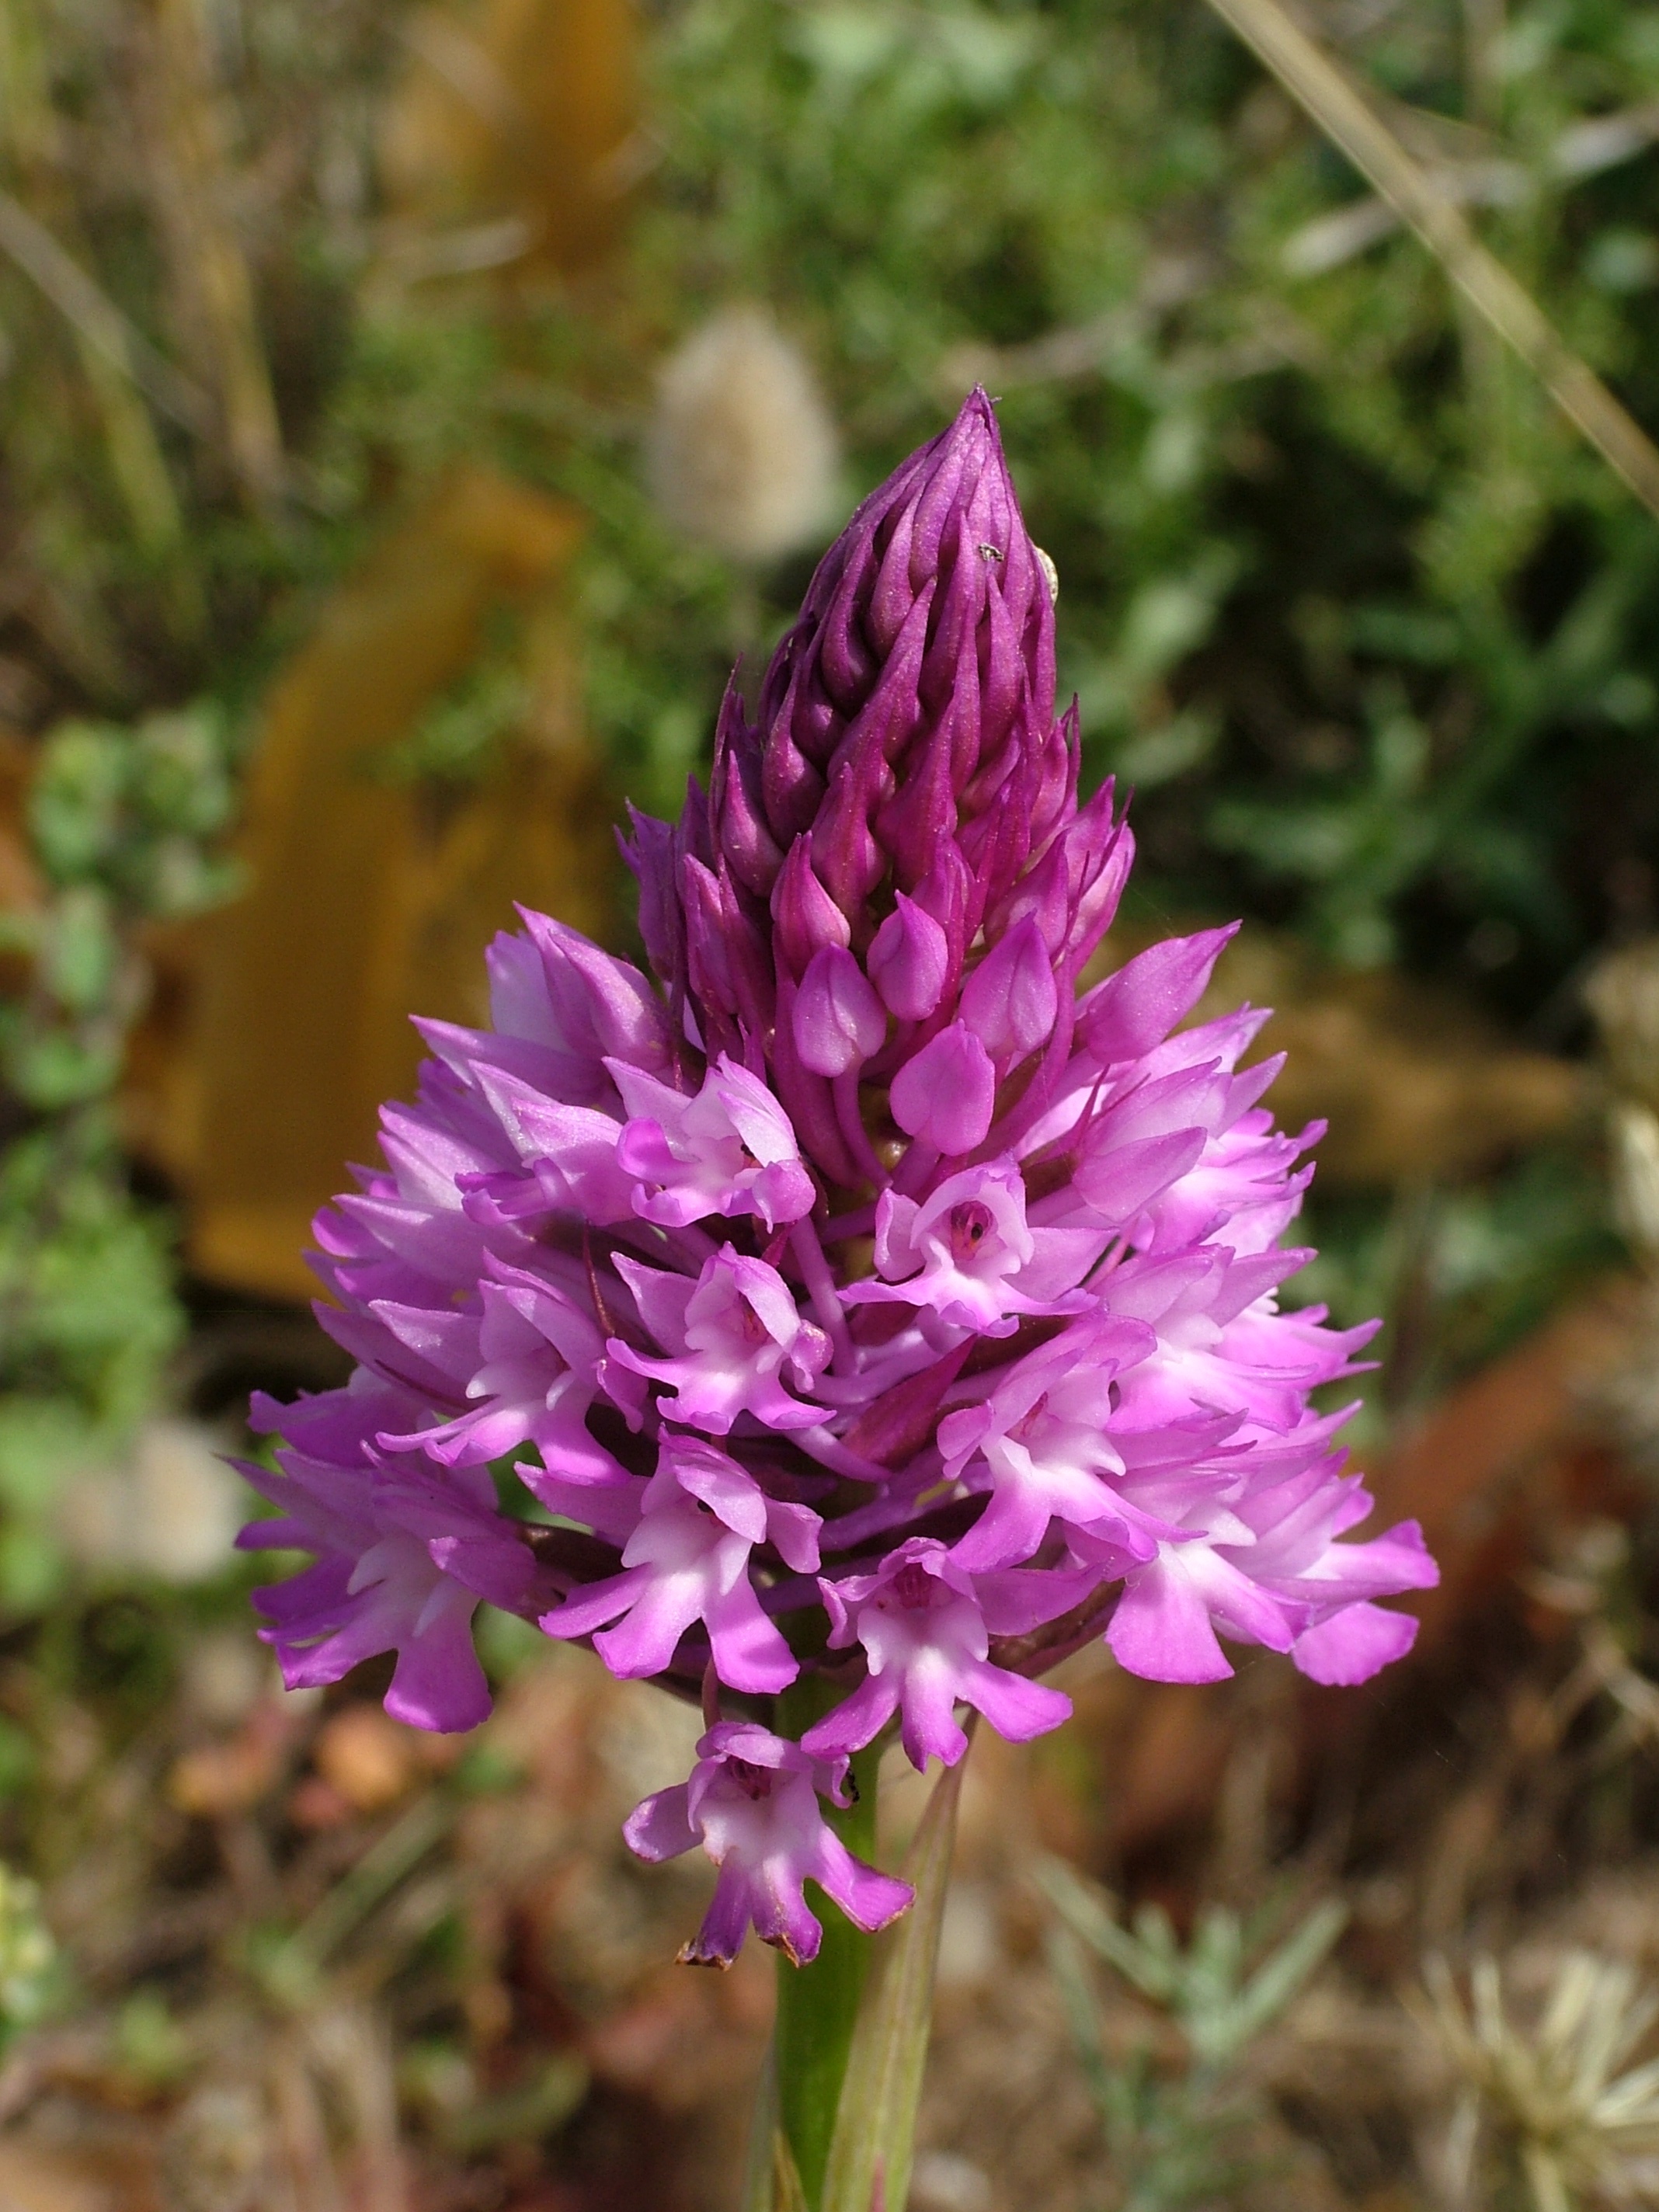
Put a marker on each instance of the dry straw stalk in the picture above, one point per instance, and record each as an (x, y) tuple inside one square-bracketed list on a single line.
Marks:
[(1347, 117)]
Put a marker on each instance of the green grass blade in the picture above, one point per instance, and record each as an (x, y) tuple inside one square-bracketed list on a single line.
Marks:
[(869, 2167)]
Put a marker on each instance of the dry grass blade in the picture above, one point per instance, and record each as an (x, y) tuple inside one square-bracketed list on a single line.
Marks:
[(468, 67), (1347, 118), (354, 2053), (379, 1870), (95, 317), (40, 233), (206, 247), (1554, 2094)]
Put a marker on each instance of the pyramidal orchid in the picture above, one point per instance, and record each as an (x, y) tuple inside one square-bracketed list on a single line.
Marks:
[(877, 1308)]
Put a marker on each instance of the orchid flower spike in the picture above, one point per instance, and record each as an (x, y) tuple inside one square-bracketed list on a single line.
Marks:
[(861, 1302)]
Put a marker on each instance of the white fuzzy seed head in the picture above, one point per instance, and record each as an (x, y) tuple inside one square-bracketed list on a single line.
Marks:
[(743, 452)]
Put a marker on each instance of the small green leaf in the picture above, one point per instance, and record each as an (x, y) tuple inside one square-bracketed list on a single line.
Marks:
[(1272, 1986), (876, 2125), (1071, 1972), (1087, 1912), (760, 2164), (770, 2181), (522, 2114), (818, 2002)]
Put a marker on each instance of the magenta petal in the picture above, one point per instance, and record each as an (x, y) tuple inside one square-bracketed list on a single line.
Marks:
[(944, 1095), (735, 1905), (857, 1720), (1015, 1709), (749, 1648), (1353, 1645), (598, 1604), (438, 1683), (930, 1728), (794, 1530), (1019, 1600), (870, 1899), (1119, 1183), (1161, 1629), (661, 1827), (1135, 1009), (645, 1641)]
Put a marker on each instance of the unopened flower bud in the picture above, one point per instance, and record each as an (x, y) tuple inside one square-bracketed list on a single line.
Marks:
[(804, 917), (908, 960), (838, 1020), (1010, 1000), (736, 807), (913, 702), (944, 1095)]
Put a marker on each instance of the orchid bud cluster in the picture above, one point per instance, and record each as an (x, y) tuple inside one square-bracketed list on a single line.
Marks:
[(864, 1303)]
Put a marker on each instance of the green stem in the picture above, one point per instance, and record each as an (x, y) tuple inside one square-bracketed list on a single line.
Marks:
[(817, 2004)]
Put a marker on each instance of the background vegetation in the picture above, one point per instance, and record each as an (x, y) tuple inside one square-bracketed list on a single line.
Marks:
[(1365, 626)]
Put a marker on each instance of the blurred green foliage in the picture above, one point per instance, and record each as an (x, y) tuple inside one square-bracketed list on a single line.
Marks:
[(32, 1974), (1361, 621), (123, 823), (1346, 602), (1177, 2137)]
